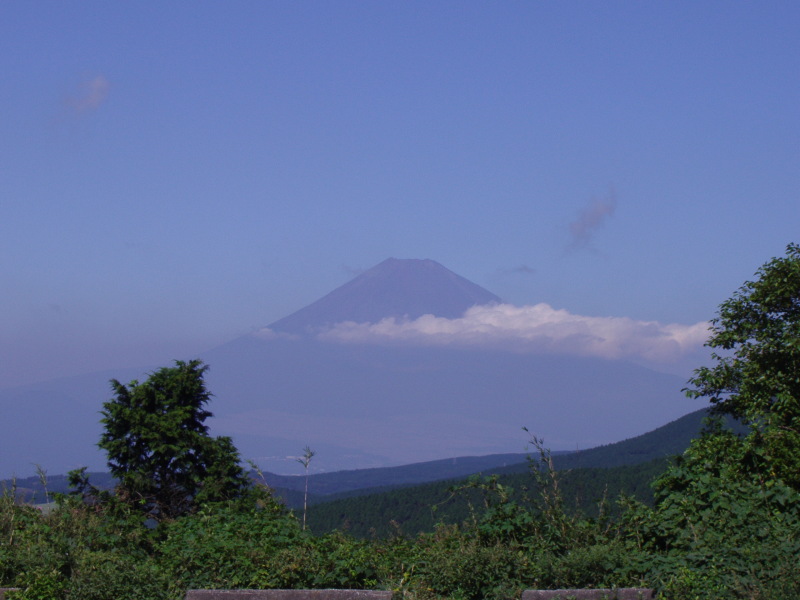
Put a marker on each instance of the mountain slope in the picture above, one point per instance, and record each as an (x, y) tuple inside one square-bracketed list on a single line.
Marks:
[(668, 440)]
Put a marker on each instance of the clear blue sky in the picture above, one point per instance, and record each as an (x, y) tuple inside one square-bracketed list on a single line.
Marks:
[(173, 175)]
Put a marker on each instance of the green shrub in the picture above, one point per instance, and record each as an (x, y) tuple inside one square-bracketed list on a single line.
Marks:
[(456, 564), (226, 545), (107, 575), (39, 584)]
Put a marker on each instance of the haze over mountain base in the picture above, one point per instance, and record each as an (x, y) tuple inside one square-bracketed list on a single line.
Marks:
[(376, 406), (365, 406)]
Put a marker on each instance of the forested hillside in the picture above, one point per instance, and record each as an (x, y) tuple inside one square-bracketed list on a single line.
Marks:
[(416, 509)]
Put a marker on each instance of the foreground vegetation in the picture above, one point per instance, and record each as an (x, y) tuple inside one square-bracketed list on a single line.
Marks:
[(724, 520), (706, 537)]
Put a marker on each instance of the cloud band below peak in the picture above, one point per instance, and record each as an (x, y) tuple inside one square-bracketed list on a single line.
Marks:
[(537, 328)]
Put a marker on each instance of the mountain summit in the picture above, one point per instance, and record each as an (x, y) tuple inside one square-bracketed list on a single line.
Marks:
[(394, 288)]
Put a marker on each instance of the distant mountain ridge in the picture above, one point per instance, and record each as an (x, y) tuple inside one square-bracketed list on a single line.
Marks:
[(399, 288), (668, 440), (671, 439)]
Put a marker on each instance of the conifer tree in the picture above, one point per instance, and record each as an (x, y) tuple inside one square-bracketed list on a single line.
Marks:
[(159, 448)]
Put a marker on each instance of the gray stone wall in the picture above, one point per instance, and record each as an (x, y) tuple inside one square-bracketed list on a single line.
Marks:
[(288, 595), (599, 594)]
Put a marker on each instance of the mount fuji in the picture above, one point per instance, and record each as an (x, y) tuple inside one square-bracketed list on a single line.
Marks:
[(396, 288), (363, 405)]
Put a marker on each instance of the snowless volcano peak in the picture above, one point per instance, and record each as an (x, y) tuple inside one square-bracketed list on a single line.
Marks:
[(399, 288)]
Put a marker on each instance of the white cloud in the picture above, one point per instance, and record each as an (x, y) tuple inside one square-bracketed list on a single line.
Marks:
[(538, 328)]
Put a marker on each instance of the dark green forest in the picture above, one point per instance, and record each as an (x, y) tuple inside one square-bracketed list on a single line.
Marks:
[(720, 520), (418, 509)]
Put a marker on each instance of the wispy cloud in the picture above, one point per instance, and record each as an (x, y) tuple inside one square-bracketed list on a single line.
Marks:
[(520, 270), (265, 333), (91, 94), (539, 328), (590, 219)]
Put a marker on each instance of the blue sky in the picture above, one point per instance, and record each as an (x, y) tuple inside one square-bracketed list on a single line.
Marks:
[(175, 175)]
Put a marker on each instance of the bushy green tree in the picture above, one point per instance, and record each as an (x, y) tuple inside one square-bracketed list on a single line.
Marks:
[(159, 448), (726, 522), (756, 375), (717, 531)]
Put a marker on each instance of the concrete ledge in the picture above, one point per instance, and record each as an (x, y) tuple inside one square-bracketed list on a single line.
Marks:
[(599, 594), (287, 595)]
